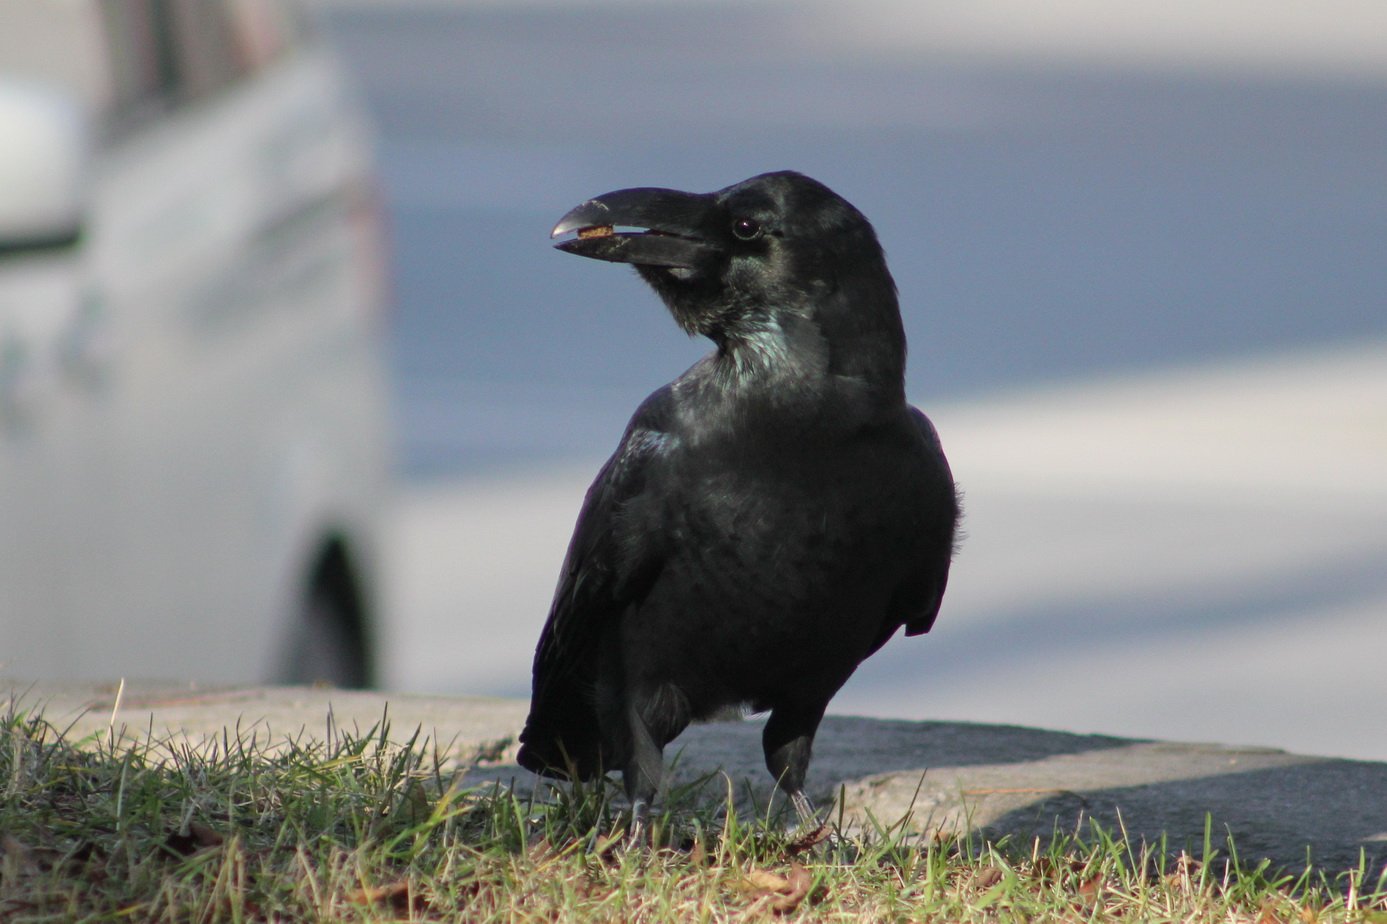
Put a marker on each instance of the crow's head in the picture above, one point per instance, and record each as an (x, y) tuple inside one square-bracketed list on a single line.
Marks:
[(775, 263)]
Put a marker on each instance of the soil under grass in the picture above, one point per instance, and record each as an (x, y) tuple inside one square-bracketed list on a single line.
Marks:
[(360, 828)]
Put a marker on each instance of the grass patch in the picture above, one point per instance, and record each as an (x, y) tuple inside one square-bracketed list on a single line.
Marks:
[(357, 828)]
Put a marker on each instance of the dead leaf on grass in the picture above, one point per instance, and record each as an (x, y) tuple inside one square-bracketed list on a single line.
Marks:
[(768, 881), (198, 837), (608, 843), (698, 853), (205, 836), (16, 857), (1090, 890), (541, 852), (781, 894), (398, 895), (1185, 871), (987, 877)]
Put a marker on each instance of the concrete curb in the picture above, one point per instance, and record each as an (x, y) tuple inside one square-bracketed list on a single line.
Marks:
[(995, 779)]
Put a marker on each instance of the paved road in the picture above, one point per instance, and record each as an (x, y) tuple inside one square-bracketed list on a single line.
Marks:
[(1049, 215)]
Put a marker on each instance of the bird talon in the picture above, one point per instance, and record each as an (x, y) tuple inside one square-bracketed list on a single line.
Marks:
[(808, 839), (638, 836)]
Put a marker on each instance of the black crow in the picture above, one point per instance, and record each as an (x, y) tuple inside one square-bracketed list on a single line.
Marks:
[(771, 517)]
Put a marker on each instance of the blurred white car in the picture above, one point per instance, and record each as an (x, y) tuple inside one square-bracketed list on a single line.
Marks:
[(192, 293)]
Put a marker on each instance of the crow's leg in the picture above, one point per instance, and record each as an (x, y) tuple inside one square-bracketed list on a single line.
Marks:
[(644, 768), (788, 741)]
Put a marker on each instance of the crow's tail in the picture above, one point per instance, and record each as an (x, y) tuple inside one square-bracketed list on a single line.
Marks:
[(561, 736)]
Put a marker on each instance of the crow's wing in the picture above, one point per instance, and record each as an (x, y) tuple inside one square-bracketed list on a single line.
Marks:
[(609, 568), (919, 603), (915, 603)]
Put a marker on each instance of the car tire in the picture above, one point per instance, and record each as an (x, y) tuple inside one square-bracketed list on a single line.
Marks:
[(327, 644)]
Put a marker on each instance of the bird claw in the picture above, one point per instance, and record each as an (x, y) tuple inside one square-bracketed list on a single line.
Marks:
[(804, 808), (810, 831), (807, 837), (639, 835)]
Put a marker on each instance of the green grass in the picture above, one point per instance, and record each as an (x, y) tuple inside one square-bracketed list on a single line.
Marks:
[(357, 828)]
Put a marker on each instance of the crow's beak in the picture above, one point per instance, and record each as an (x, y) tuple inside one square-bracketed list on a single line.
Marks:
[(668, 228)]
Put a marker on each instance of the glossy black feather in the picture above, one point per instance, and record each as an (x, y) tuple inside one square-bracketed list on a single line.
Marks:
[(771, 518)]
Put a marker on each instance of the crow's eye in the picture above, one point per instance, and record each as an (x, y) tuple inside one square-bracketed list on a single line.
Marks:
[(746, 229)]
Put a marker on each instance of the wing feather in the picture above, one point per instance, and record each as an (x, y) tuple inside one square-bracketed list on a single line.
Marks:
[(605, 573)]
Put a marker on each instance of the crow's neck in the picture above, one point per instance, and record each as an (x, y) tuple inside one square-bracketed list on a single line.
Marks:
[(790, 351), (770, 354), (785, 377)]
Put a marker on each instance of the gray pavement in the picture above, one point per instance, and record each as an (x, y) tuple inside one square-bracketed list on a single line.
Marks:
[(998, 779)]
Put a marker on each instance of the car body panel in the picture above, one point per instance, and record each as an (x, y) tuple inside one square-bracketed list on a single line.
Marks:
[(200, 406)]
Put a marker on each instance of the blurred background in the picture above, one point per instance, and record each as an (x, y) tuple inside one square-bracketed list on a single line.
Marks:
[(1141, 260)]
